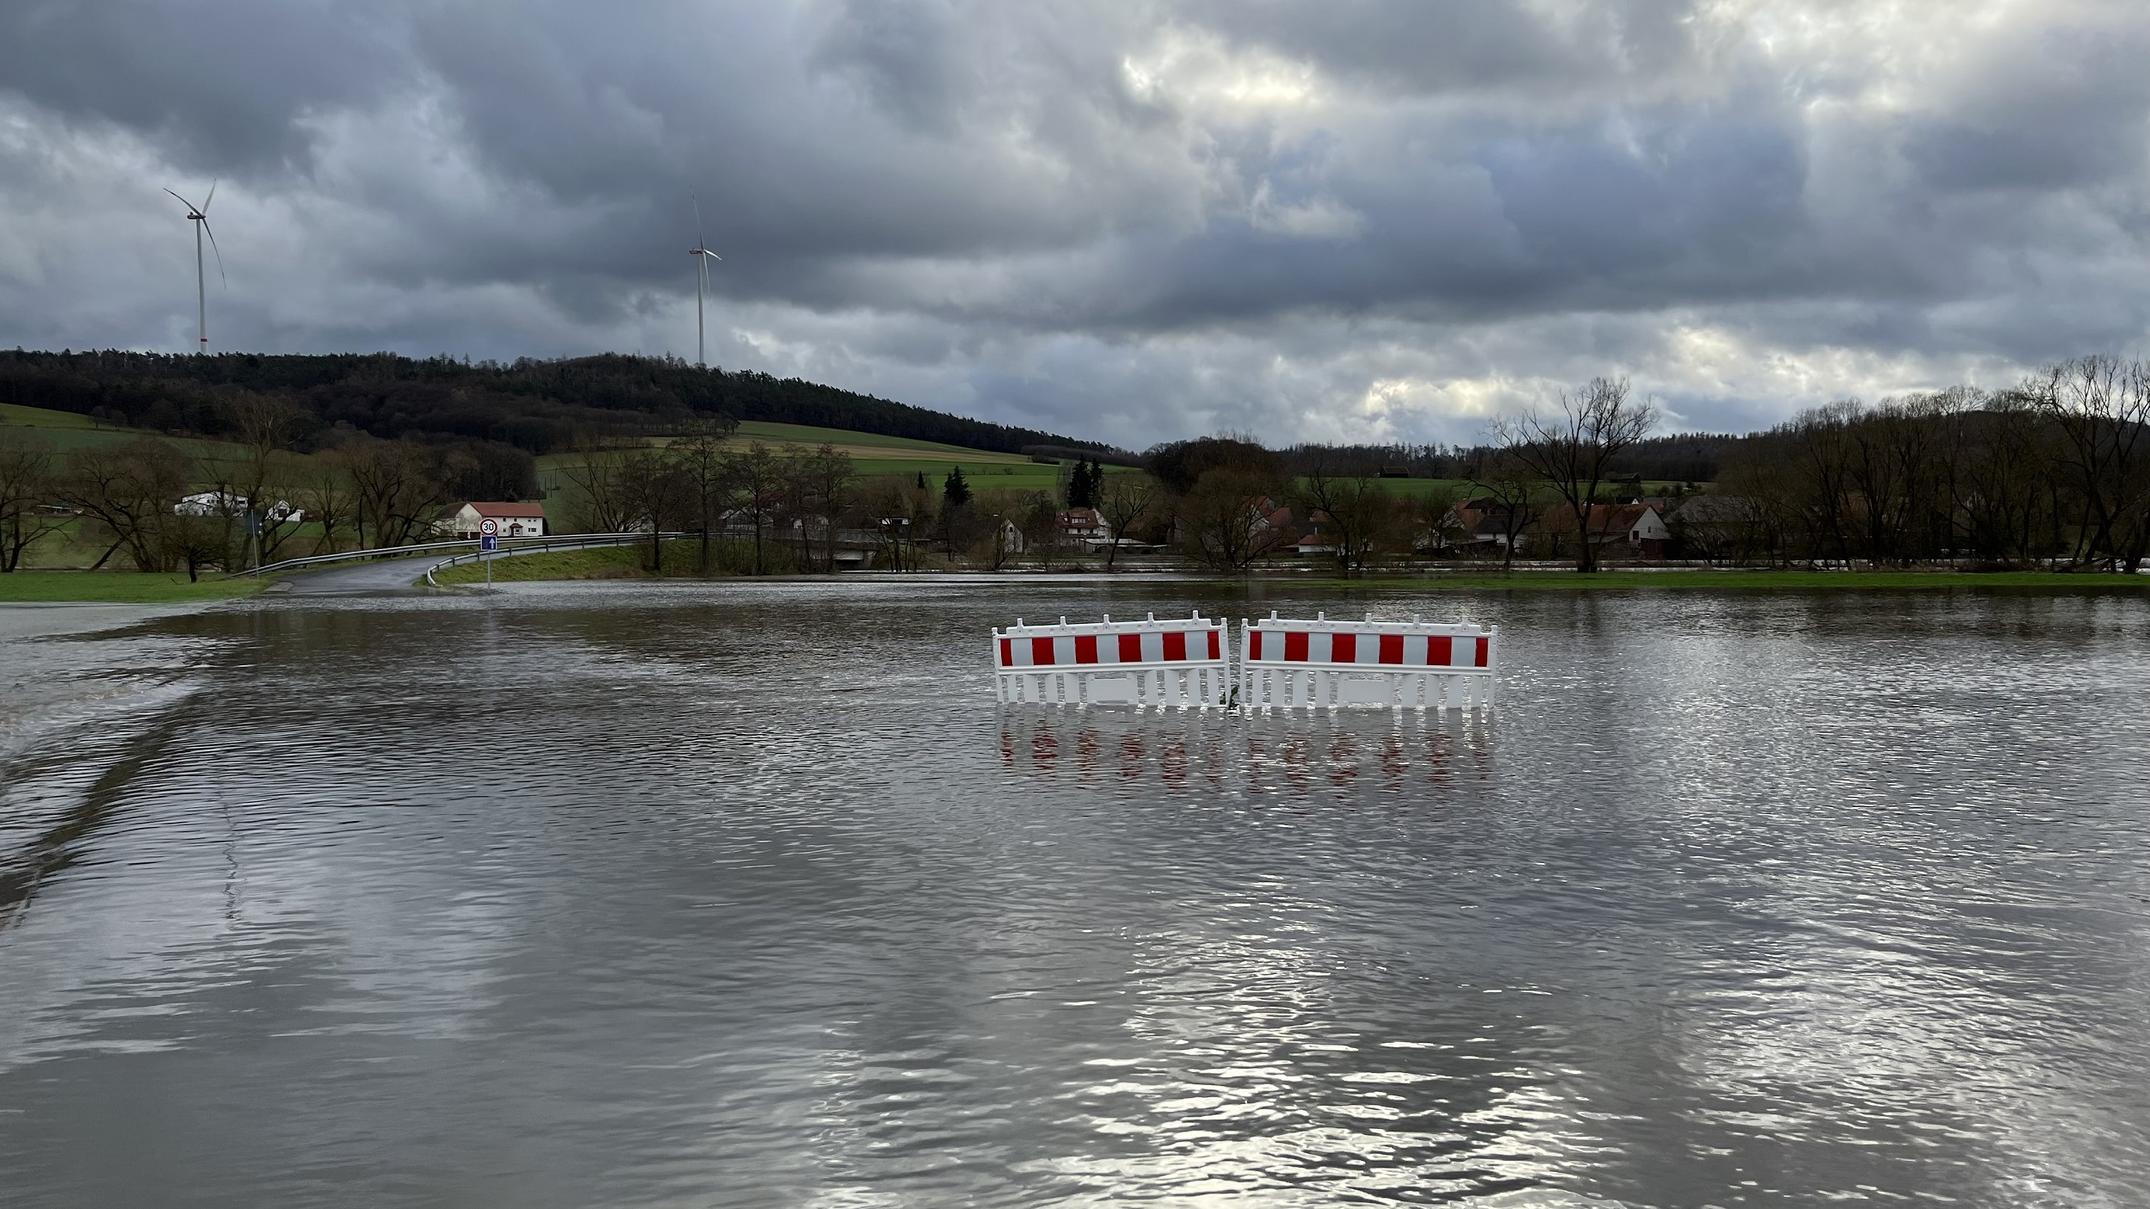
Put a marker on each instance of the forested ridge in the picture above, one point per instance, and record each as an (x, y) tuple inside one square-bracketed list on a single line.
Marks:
[(540, 406)]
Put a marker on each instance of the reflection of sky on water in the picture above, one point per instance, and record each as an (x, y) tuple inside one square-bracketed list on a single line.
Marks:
[(600, 894)]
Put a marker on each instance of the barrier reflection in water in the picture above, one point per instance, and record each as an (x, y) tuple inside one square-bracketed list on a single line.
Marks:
[(1287, 755)]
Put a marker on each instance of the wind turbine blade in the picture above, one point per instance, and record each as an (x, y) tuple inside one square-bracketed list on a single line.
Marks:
[(697, 222), (219, 253), (207, 201), (184, 202), (709, 254)]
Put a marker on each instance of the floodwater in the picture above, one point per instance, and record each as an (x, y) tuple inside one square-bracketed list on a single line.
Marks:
[(750, 895)]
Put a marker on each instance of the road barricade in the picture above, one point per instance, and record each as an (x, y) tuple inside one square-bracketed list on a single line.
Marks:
[(1177, 662), (1321, 664)]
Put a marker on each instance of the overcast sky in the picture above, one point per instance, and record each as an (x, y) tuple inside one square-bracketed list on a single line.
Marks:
[(1120, 219)]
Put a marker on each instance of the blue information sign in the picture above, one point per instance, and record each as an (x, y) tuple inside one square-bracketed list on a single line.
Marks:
[(487, 543)]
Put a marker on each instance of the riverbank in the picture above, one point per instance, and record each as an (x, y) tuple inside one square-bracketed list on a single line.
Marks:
[(609, 562), (627, 563), (119, 587), (1741, 580)]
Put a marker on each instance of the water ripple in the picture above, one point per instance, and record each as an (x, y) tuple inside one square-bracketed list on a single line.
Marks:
[(748, 895)]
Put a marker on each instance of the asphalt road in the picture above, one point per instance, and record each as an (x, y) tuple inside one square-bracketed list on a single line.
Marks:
[(387, 575)]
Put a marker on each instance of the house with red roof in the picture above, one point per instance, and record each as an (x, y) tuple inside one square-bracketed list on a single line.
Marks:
[(512, 519)]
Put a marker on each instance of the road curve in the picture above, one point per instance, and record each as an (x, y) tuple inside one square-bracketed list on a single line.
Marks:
[(387, 575), (383, 575)]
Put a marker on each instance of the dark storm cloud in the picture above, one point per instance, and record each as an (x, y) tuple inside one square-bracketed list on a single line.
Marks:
[(1132, 220), (197, 74)]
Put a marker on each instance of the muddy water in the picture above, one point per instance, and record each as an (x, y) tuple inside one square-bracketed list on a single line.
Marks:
[(750, 896)]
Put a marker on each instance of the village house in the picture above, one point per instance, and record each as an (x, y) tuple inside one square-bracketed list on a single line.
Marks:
[(1317, 539), (511, 519), (1083, 527), (217, 503), (1482, 524), (1638, 525)]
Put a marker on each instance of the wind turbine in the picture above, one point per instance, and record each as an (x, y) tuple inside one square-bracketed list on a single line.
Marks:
[(702, 256), (199, 215)]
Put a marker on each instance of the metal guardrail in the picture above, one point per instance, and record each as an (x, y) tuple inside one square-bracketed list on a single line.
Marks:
[(562, 542), (538, 545)]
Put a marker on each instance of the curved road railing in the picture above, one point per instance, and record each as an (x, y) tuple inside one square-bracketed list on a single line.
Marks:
[(537, 545), (462, 547)]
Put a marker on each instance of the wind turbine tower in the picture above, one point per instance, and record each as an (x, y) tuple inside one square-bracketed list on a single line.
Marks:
[(702, 256), (199, 216)]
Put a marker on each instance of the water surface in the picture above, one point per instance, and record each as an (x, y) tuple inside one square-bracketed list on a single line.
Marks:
[(750, 895)]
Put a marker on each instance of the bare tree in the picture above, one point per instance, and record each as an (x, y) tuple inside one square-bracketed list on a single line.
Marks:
[(831, 481), (1506, 482), (699, 457), (1230, 519), (320, 486), (994, 521), (1123, 504), (26, 474), (2101, 408), (593, 468), (1573, 450), (399, 488), (266, 426), (755, 484), (658, 493), (128, 491), (197, 540), (1340, 492)]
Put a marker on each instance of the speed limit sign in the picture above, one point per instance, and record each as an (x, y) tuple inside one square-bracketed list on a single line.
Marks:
[(488, 527)]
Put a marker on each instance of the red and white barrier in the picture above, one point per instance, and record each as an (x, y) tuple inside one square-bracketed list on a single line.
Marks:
[(1323, 664), (1179, 662)]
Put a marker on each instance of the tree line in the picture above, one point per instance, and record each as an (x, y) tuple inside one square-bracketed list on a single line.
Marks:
[(150, 503), (2053, 470), (536, 405)]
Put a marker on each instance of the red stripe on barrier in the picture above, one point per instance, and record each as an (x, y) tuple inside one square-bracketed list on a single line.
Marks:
[(1007, 652), (1294, 647), (1254, 644), (1216, 642), (1482, 645), (1176, 646), (1130, 648), (1391, 648), (1343, 648), (1437, 652), (1041, 652), (1086, 648)]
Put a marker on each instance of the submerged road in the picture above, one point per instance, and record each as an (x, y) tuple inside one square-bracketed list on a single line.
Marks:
[(386, 575)]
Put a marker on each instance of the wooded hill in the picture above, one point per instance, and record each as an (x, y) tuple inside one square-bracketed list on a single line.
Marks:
[(540, 406)]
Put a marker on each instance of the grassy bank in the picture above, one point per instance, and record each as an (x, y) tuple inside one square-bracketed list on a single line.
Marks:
[(681, 561), (1798, 581), (117, 587)]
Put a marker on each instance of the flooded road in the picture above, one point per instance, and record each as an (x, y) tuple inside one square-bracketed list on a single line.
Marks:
[(750, 895)]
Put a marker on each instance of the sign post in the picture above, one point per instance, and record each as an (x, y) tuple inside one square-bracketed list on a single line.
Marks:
[(488, 541)]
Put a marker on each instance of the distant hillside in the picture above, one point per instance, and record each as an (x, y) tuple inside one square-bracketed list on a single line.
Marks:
[(538, 406)]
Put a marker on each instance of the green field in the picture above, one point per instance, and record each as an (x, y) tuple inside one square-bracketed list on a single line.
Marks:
[(117, 587), (1794, 581), (771, 433), (65, 431), (43, 417)]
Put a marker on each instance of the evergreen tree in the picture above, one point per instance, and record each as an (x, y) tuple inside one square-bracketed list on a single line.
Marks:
[(954, 491), (1083, 484), (921, 480)]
